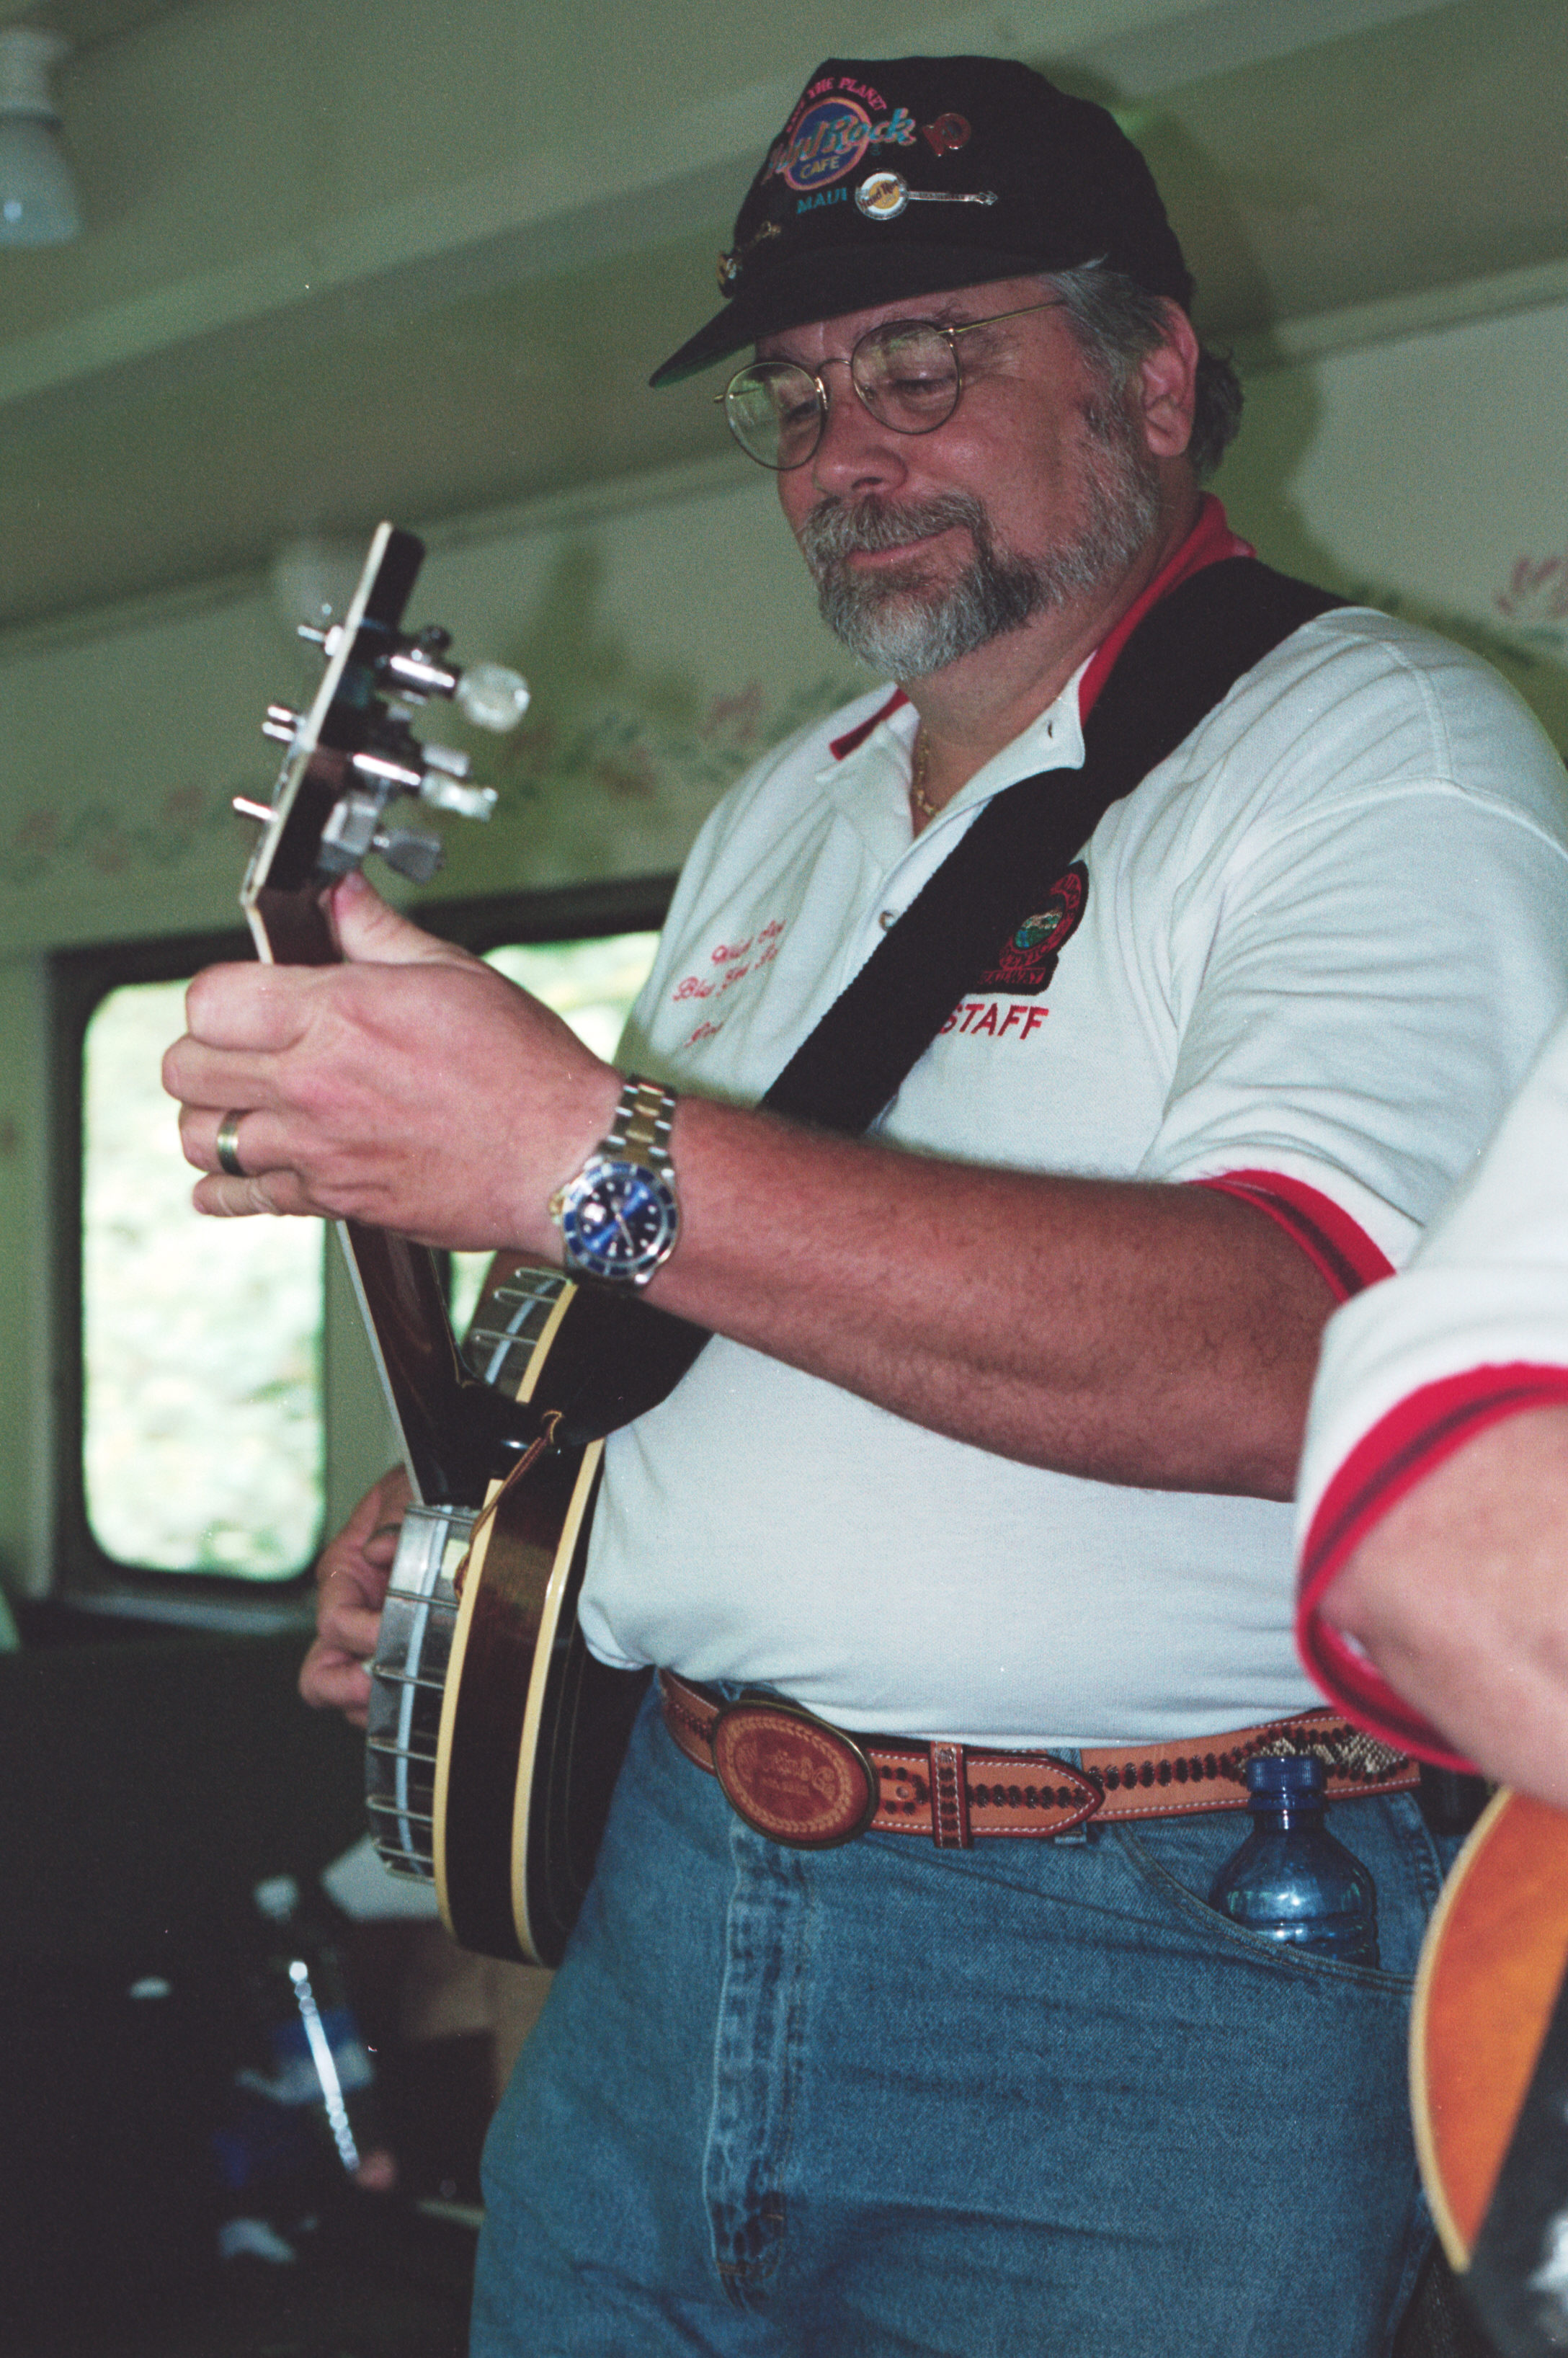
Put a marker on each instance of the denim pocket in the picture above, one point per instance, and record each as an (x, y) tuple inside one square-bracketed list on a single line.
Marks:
[(1177, 1859)]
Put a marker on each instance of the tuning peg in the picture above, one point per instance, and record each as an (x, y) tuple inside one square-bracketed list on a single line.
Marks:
[(448, 760), (447, 794), (415, 856), (418, 673), (281, 722), (492, 697), (389, 777)]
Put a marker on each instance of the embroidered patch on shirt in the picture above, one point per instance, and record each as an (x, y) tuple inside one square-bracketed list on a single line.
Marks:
[(1028, 957)]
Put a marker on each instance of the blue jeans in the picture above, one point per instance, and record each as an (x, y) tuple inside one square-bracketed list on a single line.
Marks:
[(1029, 2100)]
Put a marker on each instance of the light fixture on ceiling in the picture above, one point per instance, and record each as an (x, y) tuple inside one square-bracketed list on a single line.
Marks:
[(38, 195)]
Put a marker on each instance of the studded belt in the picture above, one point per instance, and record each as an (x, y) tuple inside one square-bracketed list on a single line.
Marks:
[(794, 1777)]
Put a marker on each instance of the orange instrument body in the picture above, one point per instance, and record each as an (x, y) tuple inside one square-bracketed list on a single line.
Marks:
[(1489, 2072)]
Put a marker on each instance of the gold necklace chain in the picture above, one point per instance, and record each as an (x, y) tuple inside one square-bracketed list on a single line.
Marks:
[(917, 793)]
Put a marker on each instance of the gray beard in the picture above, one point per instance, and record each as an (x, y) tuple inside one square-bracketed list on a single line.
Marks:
[(903, 627)]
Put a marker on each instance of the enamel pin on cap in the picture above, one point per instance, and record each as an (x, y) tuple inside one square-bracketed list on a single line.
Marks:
[(884, 196)]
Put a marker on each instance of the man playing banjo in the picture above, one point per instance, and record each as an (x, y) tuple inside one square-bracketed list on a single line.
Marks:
[(988, 1465)]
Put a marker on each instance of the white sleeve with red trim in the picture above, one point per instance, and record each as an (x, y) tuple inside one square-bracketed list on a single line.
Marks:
[(1475, 1329), (1362, 946)]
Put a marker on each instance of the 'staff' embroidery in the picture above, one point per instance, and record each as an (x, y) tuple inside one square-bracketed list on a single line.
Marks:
[(1028, 957)]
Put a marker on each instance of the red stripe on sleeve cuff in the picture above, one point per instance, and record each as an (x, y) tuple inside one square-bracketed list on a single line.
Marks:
[(1403, 1446), (1332, 1240)]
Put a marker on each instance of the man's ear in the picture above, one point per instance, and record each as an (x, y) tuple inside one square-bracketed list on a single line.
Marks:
[(1167, 386)]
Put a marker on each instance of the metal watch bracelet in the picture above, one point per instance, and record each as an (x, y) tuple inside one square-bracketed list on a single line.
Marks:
[(618, 1217), (640, 1127)]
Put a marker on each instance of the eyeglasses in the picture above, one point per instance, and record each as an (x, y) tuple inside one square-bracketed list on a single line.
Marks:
[(905, 373)]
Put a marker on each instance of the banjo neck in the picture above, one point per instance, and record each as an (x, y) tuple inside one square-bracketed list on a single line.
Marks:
[(348, 757), (494, 1736)]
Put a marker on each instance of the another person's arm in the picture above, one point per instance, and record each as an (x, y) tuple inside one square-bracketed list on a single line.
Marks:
[(1459, 1596), (1434, 1492)]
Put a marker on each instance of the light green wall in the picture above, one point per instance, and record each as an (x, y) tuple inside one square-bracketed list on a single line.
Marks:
[(668, 636), (1423, 475), (665, 633)]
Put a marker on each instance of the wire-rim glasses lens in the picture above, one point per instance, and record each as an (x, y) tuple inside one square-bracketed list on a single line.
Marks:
[(906, 374), (775, 411)]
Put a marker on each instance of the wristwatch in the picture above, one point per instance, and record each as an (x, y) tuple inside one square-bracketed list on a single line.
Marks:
[(619, 1218)]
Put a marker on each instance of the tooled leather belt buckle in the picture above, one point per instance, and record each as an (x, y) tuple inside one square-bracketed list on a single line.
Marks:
[(790, 1775)]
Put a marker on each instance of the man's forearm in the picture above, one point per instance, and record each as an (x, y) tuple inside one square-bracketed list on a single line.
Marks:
[(1157, 1335)]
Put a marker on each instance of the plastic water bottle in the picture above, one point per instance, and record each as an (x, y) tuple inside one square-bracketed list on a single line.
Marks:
[(302, 2112), (1290, 1880)]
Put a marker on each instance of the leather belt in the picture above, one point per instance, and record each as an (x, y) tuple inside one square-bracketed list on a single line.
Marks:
[(803, 1782)]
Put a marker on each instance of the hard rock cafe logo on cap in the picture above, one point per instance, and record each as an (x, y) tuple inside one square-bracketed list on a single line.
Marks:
[(837, 122), (831, 130), (829, 140)]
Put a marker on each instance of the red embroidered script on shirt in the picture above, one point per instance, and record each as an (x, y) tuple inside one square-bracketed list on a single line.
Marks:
[(730, 962)]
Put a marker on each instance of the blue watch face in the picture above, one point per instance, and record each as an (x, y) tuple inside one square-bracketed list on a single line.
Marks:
[(619, 1221)]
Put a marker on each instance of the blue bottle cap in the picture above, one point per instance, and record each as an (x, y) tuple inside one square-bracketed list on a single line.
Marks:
[(1285, 1781)]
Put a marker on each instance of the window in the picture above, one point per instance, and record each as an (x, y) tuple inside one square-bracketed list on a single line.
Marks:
[(197, 1428), (202, 1443)]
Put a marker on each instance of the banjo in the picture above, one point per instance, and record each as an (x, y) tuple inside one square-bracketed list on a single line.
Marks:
[(494, 1737)]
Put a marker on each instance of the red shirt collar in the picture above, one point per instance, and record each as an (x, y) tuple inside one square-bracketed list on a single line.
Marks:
[(1209, 540)]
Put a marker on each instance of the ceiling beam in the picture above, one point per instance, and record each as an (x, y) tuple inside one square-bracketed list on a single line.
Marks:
[(628, 166)]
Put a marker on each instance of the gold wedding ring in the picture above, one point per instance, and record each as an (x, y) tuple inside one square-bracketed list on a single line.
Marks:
[(229, 1144)]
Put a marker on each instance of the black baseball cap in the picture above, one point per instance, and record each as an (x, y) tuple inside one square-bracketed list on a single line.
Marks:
[(897, 177)]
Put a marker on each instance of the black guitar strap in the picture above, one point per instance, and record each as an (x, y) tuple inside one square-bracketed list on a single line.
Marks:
[(1185, 656), (1182, 660)]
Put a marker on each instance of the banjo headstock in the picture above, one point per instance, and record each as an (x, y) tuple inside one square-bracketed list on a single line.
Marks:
[(353, 754), (348, 760)]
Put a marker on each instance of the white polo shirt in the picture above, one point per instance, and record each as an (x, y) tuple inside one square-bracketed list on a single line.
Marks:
[(1318, 946), (1474, 1329)]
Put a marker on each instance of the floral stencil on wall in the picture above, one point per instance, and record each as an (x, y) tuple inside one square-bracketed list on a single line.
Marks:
[(106, 841), (1536, 599)]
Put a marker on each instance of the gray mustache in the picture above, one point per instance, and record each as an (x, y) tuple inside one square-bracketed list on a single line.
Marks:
[(835, 529)]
